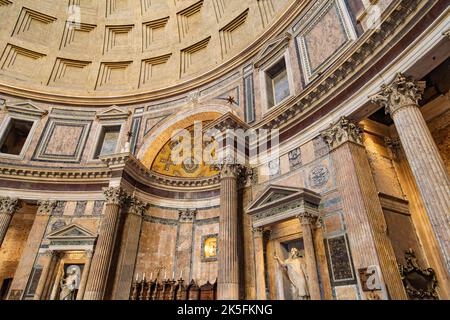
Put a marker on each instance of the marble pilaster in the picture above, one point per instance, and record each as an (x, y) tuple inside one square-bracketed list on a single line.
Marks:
[(8, 206), (258, 242), (366, 226)]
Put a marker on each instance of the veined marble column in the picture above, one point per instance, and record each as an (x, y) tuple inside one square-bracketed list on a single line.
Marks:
[(52, 257), (400, 98), (364, 217), (306, 221), (228, 259), (98, 275), (85, 275), (258, 242), (8, 206)]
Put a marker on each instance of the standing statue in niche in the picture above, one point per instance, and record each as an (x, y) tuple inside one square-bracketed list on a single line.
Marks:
[(70, 283), (295, 268)]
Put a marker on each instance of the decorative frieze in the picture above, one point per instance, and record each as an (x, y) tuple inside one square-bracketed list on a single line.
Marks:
[(9, 205), (115, 195), (187, 215), (401, 92), (45, 207), (342, 131)]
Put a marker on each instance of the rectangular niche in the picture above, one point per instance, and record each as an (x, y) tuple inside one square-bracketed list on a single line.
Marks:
[(63, 140), (323, 37), (107, 140), (188, 18), (231, 34), (15, 136)]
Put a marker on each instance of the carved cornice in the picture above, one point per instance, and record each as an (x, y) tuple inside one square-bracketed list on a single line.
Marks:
[(401, 92), (9, 205), (73, 175), (341, 132), (325, 84), (115, 195), (187, 215), (45, 207), (138, 207), (127, 162)]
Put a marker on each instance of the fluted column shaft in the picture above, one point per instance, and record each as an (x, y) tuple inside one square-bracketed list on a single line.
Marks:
[(429, 172), (7, 208), (258, 242), (310, 258), (98, 275), (228, 259), (400, 99)]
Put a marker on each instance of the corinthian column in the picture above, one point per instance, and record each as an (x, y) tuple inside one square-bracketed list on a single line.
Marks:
[(7, 208), (306, 221), (98, 275), (400, 99), (228, 277), (366, 226)]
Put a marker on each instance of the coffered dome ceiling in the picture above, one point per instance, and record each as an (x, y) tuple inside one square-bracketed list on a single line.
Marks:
[(122, 47)]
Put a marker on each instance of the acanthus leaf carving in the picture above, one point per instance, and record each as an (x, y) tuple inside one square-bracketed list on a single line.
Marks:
[(402, 92), (9, 205), (342, 131), (115, 195)]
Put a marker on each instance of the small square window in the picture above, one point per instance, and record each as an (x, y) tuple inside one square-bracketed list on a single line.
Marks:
[(15, 136), (107, 141), (277, 83)]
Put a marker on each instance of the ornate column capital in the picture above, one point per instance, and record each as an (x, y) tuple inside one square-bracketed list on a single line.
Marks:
[(138, 207), (9, 205), (187, 215), (342, 131), (401, 92), (258, 232), (115, 195), (230, 170), (308, 218), (45, 207)]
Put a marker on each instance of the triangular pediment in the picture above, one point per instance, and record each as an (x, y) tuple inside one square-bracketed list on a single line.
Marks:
[(71, 232), (227, 121), (25, 107), (112, 113), (272, 194), (271, 49)]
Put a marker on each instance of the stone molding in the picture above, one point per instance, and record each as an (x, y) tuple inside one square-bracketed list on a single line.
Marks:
[(341, 132), (9, 205), (45, 207), (402, 92), (115, 195)]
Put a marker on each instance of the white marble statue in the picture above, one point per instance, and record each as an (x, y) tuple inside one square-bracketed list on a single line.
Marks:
[(295, 268), (70, 283)]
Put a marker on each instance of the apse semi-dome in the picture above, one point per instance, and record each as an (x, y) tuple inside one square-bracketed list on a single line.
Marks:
[(123, 47)]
